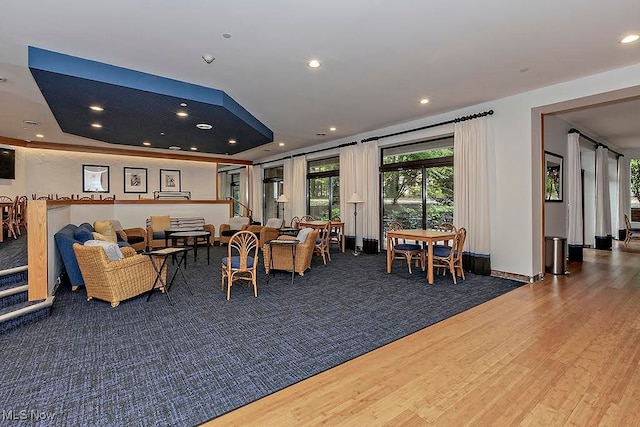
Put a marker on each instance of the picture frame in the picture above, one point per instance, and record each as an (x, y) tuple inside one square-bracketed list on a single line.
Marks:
[(553, 177), (135, 180), (170, 180), (95, 179)]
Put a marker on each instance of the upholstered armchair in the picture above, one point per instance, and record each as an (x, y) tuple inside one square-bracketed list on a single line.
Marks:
[(268, 231), (282, 257), (235, 224), (115, 281)]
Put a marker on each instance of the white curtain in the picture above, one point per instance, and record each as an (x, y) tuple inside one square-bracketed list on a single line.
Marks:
[(603, 206), (244, 190), (256, 192), (298, 194), (287, 188), (471, 192), (370, 222), (223, 185), (348, 186), (574, 191), (624, 192)]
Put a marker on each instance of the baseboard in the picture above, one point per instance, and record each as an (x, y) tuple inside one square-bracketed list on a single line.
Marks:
[(517, 277)]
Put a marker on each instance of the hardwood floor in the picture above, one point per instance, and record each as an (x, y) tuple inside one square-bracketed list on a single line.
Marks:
[(563, 351)]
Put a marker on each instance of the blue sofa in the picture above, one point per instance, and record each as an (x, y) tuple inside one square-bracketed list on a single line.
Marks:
[(65, 238)]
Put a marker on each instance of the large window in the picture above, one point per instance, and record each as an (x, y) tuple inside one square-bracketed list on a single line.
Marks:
[(323, 177), (417, 184), (635, 189), (272, 183)]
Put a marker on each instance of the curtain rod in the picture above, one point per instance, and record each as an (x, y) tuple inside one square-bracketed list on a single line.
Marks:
[(598, 144), (456, 120), (308, 152)]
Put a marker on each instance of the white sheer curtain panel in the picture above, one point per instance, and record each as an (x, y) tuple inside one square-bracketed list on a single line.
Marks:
[(287, 188), (371, 191), (256, 193), (603, 206), (223, 185), (298, 195), (574, 191), (348, 185), (244, 188), (471, 192), (624, 193)]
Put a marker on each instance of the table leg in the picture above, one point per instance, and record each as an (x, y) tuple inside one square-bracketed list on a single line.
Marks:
[(208, 245), (159, 278), (293, 267), (388, 254), (430, 261), (342, 237)]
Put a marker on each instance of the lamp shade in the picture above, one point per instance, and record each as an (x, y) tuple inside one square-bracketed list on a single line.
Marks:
[(355, 198), (283, 199)]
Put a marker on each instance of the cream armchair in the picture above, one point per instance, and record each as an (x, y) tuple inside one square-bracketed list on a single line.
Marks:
[(235, 224)]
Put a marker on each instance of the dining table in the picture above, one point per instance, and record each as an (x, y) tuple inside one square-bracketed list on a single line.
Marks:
[(430, 237), (318, 224)]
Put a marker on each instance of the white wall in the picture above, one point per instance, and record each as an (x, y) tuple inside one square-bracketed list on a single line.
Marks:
[(60, 172), (555, 141), (515, 159)]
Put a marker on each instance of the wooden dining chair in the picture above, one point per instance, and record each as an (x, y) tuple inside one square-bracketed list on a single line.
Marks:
[(402, 250), (629, 232), (294, 222), (322, 243), (307, 218), (9, 220), (450, 257), (335, 238), (241, 261)]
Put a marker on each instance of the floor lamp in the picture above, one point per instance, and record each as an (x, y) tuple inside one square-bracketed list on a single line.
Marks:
[(282, 199), (355, 199)]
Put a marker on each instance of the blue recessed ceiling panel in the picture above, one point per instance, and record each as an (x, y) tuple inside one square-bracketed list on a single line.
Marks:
[(141, 107)]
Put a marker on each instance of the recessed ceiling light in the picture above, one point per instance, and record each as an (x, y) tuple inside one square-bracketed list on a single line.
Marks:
[(182, 114), (424, 101), (161, 133), (281, 144), (39, 135), (232, 141), (332, 129), (31, 122), (96, 108), (321, 134), (174, 147), (314, 63), (194, 148), (208, 58), (204, 126), (630, 38), (96, 125), (226, 35), (146, 143), (183, 104)]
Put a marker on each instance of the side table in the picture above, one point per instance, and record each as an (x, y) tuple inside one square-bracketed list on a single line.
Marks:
[(165, 253)]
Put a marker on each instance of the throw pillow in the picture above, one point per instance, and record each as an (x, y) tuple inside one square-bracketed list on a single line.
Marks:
[(160, 222), (83, 233), (106, 228), (99, 236), (274, 223), (237, 222), (302, 234), (111, 249)]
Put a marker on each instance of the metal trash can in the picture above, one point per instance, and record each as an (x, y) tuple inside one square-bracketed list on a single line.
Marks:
[(555, 255)]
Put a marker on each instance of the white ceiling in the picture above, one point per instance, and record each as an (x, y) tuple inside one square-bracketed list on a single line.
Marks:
[(379, 58)]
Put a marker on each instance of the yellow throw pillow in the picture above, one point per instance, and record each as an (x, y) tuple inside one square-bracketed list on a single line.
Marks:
[(98, 236), (106, 228), (160, 223)]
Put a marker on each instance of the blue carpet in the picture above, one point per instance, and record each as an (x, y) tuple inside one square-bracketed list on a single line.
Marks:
[(152, 363), (13, 252)]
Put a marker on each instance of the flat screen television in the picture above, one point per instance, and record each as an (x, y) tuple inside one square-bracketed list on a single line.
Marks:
[(7, 163)]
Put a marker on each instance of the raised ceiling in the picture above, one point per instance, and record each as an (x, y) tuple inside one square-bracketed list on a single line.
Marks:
[(378, 58)]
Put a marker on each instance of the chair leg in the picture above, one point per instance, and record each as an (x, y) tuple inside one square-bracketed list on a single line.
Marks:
[(408, 256), (452, 269)]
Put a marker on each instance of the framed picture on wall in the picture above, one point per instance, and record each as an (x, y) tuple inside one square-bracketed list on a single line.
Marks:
[(135, 180), (170, 180), (95, 179), (553, 177)]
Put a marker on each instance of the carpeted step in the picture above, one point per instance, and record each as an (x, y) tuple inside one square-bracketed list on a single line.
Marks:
[(13, 277), (14, 295), (23, 313)]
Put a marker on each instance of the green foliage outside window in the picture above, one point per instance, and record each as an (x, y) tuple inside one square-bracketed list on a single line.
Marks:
[(635, 179)]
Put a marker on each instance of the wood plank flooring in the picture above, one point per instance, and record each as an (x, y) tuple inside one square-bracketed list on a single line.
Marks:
[(563, 351)]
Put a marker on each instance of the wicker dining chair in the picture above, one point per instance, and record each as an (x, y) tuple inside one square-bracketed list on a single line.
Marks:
[(334, 234), (294, 222), (450, 257), (241, 261), (402, 250), (307, 218)]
